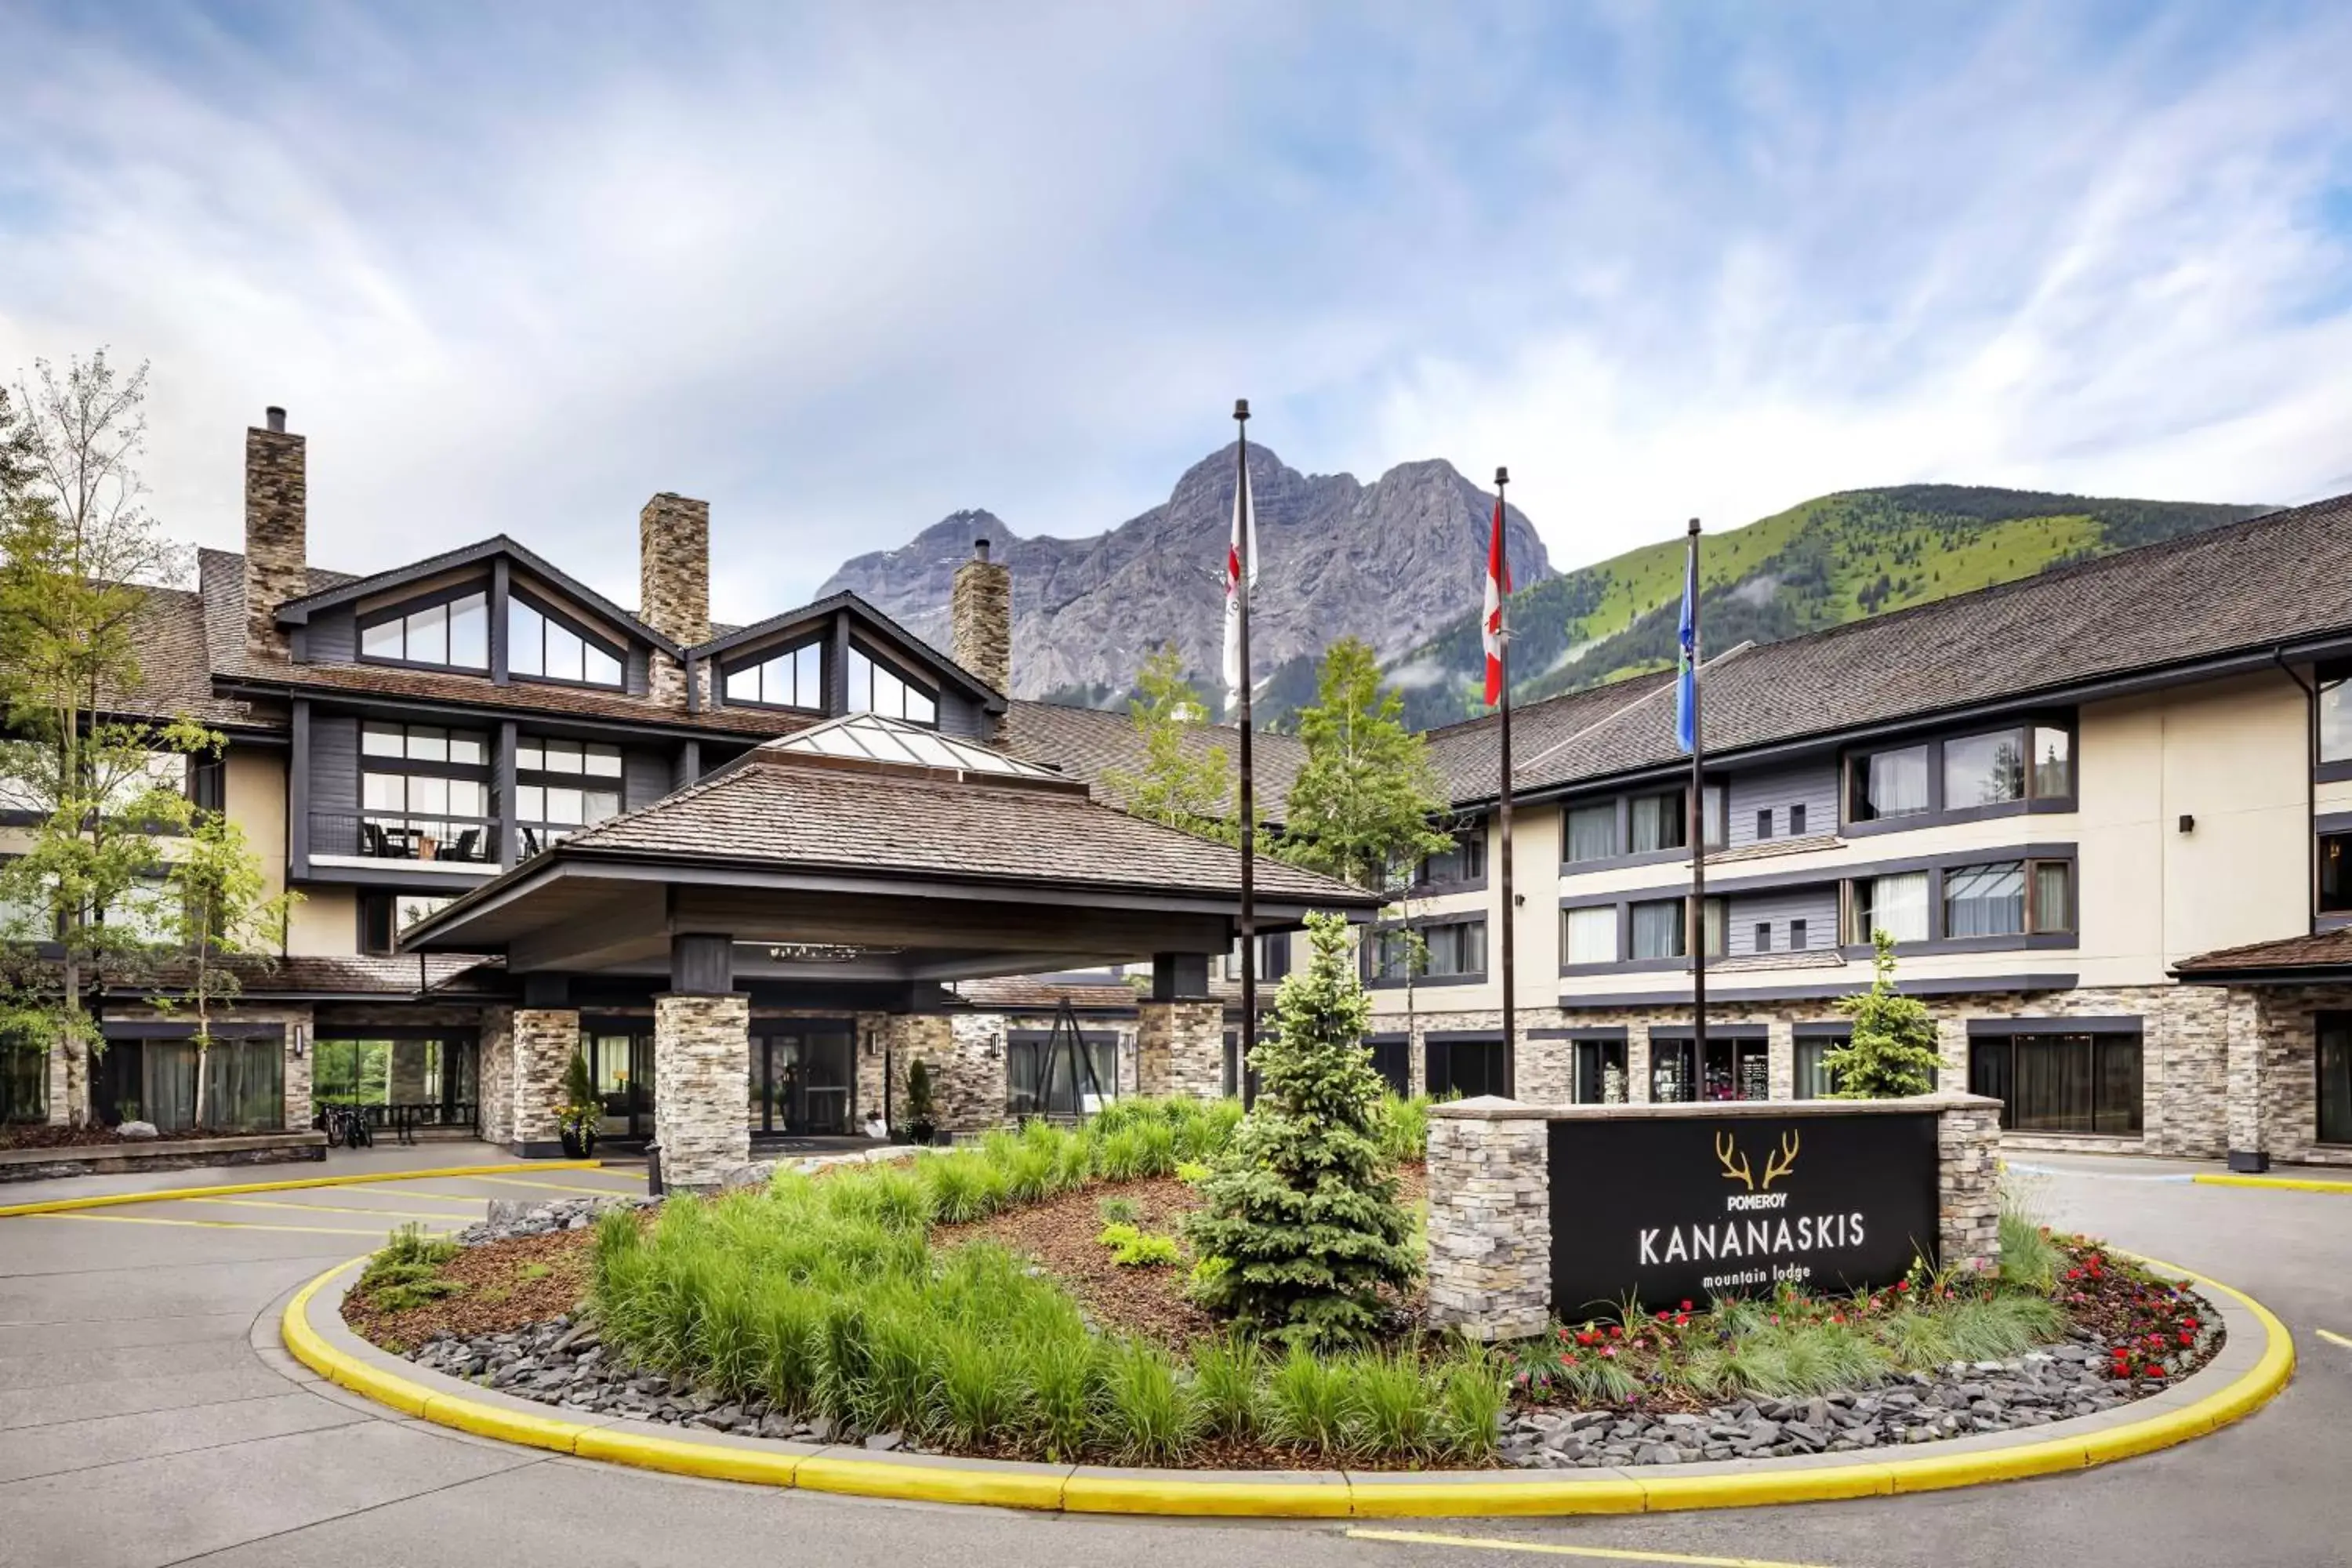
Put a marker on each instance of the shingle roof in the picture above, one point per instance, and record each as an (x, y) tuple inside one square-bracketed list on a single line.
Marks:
[(781, 808), (458, 975), (1467, 754), (174, 676), (1089, 744), (2317, 951)]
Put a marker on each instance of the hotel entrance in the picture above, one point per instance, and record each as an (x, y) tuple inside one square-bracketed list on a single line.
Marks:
[(803, 1077), (621, 1065)]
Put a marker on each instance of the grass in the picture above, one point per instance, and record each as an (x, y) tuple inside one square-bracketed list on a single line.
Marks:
[(407, 1272)]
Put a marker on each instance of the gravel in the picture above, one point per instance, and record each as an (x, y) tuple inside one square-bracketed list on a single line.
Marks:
[(521, 1216)]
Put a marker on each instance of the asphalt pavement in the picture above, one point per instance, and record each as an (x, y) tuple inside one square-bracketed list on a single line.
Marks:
[(149, 1417)]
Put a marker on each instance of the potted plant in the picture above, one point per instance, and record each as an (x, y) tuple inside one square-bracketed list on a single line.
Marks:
[(577, 1122), (922, 1115)]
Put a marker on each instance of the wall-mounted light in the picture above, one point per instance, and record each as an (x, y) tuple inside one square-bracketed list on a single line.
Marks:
[(2187, 823), (301, 1041)]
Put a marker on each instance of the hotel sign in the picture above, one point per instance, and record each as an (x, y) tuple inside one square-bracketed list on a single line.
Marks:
[(1682, 1208)]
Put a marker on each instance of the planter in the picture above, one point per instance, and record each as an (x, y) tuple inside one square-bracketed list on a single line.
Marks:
[(578, 1144)]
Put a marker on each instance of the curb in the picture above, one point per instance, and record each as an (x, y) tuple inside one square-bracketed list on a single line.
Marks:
[(174, 1194), (2277, 1183), (2174, 1417)]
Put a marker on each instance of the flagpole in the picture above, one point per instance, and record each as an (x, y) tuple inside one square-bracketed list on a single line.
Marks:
[(1248, 782), (1697, 838), (1510, 956)]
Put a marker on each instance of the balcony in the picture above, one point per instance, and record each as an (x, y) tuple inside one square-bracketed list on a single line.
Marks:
[(456, 845)]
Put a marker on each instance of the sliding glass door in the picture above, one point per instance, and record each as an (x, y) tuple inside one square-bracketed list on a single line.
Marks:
[(803, 1077)]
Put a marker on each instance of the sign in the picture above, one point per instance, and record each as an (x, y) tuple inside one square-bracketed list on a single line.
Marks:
[(1678, 1208)]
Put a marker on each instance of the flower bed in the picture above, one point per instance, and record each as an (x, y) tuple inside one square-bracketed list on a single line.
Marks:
[(967, 1304)]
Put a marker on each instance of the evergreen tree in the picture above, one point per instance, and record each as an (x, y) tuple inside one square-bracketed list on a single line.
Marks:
[(1300, 1224), (1892, 1051), (1182, 782), (1368, 797)]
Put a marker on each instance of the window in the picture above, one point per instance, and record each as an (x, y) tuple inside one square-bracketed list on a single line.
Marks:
[(2334, 1125), (425, 794), (163, 770), (144, 911), (1391, 1058), (2336, 873), (1465, 862), (589, 758), (2053, 761), (1458, 949), (1592, 832), (1600, 1077), (1983, 770), (545, 645), (1763, 936), (1272, 958), (1658, 822), (2061, 1083), (1461, 1069), (1796, 820), (455, 632), (1985, 900), (384, 916), (1815, 1079), (1674, 1069), (875, 688), (1658, 928), (1077, 1085), (560, 785), (1588, 935), (24, 1075), (1737, 1068), (2053, 908), (1764, 823), (793, 678), (1887, 783), (1897, 905), (1796, 936), (424, 743), (2335, 720)]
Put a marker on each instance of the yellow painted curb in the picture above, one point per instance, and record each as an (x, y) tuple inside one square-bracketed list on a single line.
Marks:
[(2282, 1184), (174, 1194), (1087, 1489)]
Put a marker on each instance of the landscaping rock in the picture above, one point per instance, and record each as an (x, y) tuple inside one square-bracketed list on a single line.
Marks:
[(137, 1130)]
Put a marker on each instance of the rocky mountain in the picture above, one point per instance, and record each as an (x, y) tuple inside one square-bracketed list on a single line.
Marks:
[(1831, 560), (1390, 562)]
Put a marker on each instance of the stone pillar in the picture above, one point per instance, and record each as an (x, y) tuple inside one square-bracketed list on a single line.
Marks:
[(1637, 1065), (702, 1080), (300, 1029), (1489, 1219), (1781, 1061), (2247, 1091), (276, 501), (494, 1077), (1968, 1182), (545, 1039), (979, 613), (1179, 1049), (60, 1082)]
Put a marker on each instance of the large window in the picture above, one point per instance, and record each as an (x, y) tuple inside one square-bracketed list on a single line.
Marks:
[(1815, 1079), (1588, 935), (2335, 1078), (1462, 1069), (1465, 862), (1601, 1076), (1887, 783), (384, 915), (155, 1080), (875, 688), (2336, 873), (454, 632), (1983, 770), (1659, 928), (2335, 720), (562, 787), (425, 794), (546, 645), (1046, 1079), (791, 679), (2061, 1083), (2008, 898), (24, 1075), (1897, 905), (1458, 948), (1592, 832)]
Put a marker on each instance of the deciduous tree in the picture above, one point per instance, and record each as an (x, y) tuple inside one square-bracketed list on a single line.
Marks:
[(1367, 799)]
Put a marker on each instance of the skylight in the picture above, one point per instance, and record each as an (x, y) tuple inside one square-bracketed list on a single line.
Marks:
[(871, 737)]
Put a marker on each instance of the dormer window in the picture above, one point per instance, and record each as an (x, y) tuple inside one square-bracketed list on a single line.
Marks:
[(551, 647), (875, 688), (454, 633), (793, 678)]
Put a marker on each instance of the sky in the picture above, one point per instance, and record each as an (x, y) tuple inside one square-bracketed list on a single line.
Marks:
[(844, 269)]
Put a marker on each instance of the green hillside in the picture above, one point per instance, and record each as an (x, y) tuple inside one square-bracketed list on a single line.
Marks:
[(1825, 563)]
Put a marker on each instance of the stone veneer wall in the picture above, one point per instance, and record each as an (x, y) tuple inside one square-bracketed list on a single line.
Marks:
[(702, 1082), (674, 582), (2184, 1039), (298, 1027), (275, 500), (1489, 1229), (545, 1039), (980, 612), (2274, 1070), (1179, 1048), (494, 1076)]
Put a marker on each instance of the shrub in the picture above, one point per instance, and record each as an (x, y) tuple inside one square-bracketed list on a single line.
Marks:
[(922, 1114), (2030, 1259), (1307, 1401), (1303, 1204), (1191, 1173), (1404, 1128), (1225, 1377), (1470, 1404), (408, 1271), (1119, 1210), (1064, 1378), (1148, 1412), (1131, 1248), (1389, 1407)]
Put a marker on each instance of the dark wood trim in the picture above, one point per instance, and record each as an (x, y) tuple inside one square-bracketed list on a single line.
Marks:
[(297, 795), (2102, 1024), (501, 593)]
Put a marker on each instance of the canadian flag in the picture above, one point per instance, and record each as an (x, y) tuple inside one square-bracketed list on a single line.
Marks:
[(1498, 584), (1243, 545)]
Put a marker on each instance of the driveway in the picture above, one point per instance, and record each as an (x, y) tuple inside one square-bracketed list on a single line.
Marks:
[(148, 1416)]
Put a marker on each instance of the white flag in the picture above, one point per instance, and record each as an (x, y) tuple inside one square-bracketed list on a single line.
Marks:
[(1244, 542)]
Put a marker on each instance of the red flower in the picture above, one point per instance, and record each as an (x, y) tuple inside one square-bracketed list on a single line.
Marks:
[(1616, 1331), (1686, 1306), (2188, 1339), (1683, 1321), (2154, 1370), (1903, 1284)]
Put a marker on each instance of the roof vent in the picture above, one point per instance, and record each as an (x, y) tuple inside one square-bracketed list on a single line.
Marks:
[(275, 417), (980, 548)]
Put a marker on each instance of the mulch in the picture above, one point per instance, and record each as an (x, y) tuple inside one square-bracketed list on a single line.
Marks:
[(1059, 1234), (497, 1293)]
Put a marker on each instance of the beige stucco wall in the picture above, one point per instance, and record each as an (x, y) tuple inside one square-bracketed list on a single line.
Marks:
[(325, 924), (254, 793)]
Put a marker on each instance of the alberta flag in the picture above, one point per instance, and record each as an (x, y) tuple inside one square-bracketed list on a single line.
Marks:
[(1687, 674)]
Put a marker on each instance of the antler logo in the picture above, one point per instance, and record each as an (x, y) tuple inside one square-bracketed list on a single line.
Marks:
[(1776, 1165)]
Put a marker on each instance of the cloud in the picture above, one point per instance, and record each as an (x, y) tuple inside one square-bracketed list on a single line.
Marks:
[(844, 273)]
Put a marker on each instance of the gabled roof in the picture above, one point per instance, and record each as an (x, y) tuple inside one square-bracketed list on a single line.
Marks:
[(297, 611), (823, 610)]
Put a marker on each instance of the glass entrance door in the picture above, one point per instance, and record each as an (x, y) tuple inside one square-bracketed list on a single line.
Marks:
[(621, 1064), (803, 1076)]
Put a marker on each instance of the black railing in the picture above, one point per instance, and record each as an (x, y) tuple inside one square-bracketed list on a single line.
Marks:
[(404, 1120), (403, 836)]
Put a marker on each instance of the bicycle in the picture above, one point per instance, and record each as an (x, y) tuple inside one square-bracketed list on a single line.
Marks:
[(346, 1126)]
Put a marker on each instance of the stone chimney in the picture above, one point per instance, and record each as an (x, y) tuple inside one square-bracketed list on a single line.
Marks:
[(674, 582), (980, 609), (275, 503)]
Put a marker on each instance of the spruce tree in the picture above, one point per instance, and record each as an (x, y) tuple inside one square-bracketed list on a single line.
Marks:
[(1892, 1051), (1300, 1225)]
